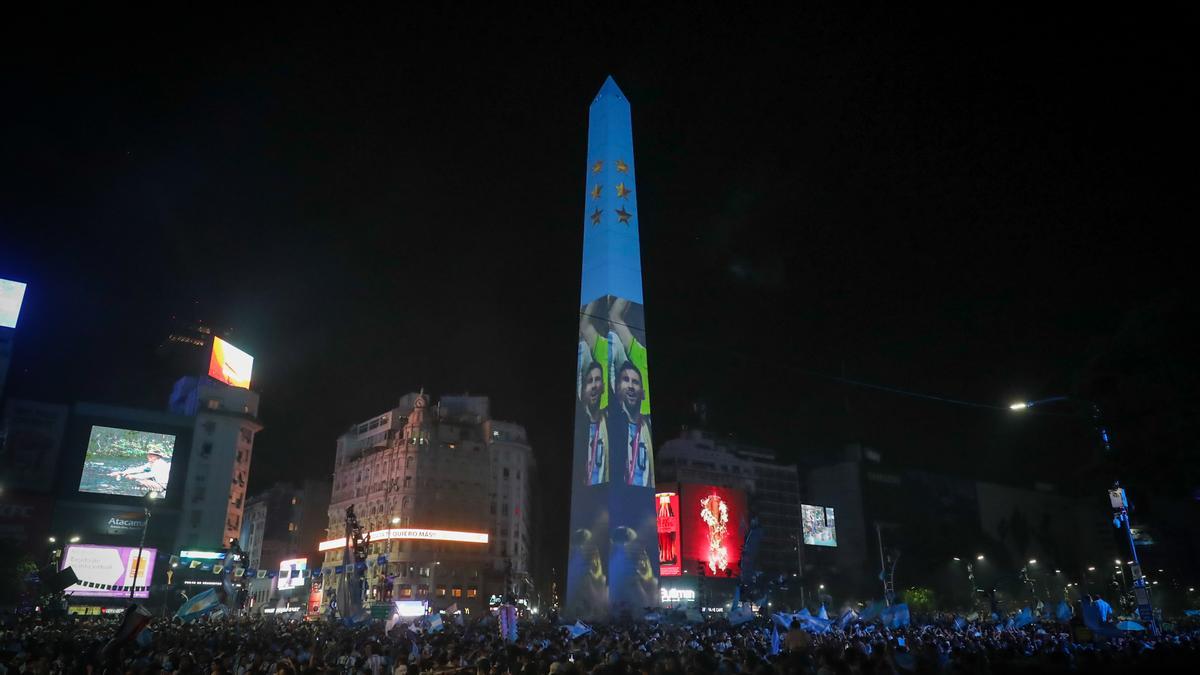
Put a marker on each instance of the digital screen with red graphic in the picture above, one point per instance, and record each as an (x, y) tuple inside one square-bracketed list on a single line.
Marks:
[(713, 520), (667, 506)]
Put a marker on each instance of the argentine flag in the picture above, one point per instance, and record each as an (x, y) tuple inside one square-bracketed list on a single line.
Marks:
[(198, 605)]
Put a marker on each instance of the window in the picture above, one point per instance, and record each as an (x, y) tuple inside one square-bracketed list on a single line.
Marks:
[(292, 526), (406, 591), (422, 591), (472, 592), (506, 473), (206, 450), (212, 404), (457, 592), (441, 591)]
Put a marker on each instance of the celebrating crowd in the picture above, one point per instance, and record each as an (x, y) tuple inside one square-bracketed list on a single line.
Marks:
[(40, 646)]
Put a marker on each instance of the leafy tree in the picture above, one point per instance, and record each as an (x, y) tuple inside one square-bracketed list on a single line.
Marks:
[(919, 599)]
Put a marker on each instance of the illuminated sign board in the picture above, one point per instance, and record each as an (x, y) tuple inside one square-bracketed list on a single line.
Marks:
[(12, 294), (670, 564), (712, 519), (818, 525), (108, 571), (202, 555), (410, 608), (127, 462), (677, 594), (291, 573), (412, 533), (229, 364)]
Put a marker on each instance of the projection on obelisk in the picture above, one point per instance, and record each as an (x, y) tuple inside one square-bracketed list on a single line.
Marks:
[(613, 560)]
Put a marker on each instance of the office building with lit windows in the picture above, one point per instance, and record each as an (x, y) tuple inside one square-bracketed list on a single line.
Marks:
[(443, 491), (772, 487)]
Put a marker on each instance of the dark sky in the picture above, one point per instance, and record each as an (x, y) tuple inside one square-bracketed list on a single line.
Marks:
[(968, 204)]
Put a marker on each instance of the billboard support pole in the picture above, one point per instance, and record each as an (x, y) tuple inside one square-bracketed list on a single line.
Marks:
[(137, 563)]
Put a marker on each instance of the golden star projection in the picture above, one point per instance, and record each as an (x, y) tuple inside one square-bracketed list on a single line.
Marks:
[(597, 166), (623, 192), (596, 216), (622, 167), (596, 191), (623, 215)]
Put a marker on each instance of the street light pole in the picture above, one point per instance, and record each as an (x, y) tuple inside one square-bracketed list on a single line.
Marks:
[(137, 563), (1120, 504)]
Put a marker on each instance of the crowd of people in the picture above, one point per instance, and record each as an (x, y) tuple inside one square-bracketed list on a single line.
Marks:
[(37, 645)]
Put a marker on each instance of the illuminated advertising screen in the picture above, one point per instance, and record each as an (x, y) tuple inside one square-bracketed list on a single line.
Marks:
[(411, 608), (818, 525), (109, 571), (669, 561), (614, 557), (127, 462), (12, 294), (714, 522), (291, 573), (229, 364)]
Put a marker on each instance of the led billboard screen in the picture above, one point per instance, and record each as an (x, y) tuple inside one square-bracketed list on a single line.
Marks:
[(127, 462), (713, 520), (818, 525), (12, 294), (108, 571), (229, 364), (291, 573), (669, 561), (613, 559)]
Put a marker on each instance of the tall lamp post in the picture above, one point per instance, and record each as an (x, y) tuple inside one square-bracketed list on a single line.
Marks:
[(1118, 501), (137, 563)]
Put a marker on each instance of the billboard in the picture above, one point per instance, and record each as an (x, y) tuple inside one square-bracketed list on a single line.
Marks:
[(127, 462), (669, 561), (818, 525), (108, 571), (35, 432), (12, 294), (291, 573), (229, 364), (714, 520), (411, 533)]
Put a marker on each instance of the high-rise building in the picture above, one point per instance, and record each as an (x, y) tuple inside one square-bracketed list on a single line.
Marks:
[(226, 420), (613, 559), (443, 490), (285, 522), (772, 487)]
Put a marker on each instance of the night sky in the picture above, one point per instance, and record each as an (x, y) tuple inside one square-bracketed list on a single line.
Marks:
[(975, 205)]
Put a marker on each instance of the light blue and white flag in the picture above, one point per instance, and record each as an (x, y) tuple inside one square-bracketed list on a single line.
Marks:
[(895, 616), (740, 615), (774, 639), (872, 611), (822, 614), (848, 617), (198, 605), (1023, 618), (579, 629), (435, 623)]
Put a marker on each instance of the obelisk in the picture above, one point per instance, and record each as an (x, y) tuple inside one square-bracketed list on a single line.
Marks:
[(613, 559)]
